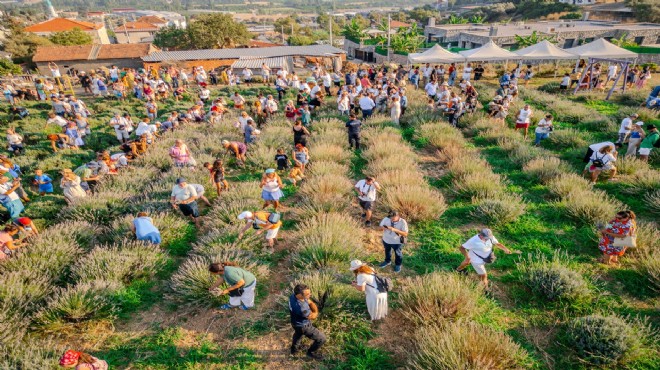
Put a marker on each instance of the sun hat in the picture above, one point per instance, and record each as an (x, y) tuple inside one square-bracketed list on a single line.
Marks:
[(225, 142), (270, 170), (70, 357), (356, 264), (244, 215), (487, 233), (180, 180), (639, 123), (634, 115)]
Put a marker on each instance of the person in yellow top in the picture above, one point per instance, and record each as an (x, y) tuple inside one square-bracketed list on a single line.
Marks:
[(296, 174), (224, 77), (262, 220)]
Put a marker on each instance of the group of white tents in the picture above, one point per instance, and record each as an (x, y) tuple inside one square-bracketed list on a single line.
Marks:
[(544, 50)]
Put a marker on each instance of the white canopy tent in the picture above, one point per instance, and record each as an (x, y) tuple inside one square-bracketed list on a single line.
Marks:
[(544, 50), (602, 48), (436, 54), (488, 53)]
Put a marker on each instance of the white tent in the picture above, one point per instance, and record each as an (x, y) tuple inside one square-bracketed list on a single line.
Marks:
[(436, 54), (544, 50), (602, 48), (488, 52)]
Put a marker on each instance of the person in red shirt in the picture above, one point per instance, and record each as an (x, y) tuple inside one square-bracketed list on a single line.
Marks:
[(26, 226)]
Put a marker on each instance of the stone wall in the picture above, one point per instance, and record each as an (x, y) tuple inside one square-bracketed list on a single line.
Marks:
[(89, 65)]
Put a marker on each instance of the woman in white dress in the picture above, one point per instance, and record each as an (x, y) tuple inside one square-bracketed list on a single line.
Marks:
[(70, 184), (467, 72), (395, 109), (365, 281)]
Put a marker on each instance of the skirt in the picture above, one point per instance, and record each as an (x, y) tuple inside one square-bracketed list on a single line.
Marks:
[(377, 305), (522, 125), (271, 195)]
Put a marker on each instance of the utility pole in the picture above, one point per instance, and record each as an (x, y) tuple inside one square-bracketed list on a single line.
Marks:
[(389, 20), (283, 42), (330, 21)]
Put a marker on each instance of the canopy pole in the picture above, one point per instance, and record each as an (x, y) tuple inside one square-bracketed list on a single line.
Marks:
[(624, 70), (556, 67), (584, 72)]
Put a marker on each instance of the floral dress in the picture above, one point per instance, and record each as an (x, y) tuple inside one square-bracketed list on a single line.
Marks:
[(622, 228)]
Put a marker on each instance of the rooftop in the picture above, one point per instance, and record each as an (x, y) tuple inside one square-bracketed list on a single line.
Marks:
[(136, 27), (91, 52), (397, 24), (152, 19), (512, 29), (62, 24), (271, 52)]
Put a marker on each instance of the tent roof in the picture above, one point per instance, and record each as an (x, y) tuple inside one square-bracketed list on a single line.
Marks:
[(436, 54), (601, 48), (488, 52), (544, 50)]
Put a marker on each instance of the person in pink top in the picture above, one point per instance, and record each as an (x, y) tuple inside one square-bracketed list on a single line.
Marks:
[(181, 155)]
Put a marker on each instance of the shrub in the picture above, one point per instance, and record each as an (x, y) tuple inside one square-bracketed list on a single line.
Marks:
[(550, 87), (409, 177), (567, 183), (171, 226), (31, 354), (648, 237), (626, 165), (24, 289), (646, 179), (244, 190), (567, 138), (545, 168), (415, 202), (461, 166), (320, 168), (479, 184), (48, 257), (652, 200), (327, 191), (590, 207), (605, 340), (466, 345), (260, 156), (327, 293), (100, 208), (330, 153), (218, 241), (498, 210), (396, 161), (552, 278), (521, 153), (327, 239), (432, 298), (77, 304), (121, 263), (648, 264), (81, 232), (441, 135)]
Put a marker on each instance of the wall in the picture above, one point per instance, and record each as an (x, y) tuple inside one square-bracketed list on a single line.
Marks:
[(207, 64), (102, 36), (88, 65), (134, 37)]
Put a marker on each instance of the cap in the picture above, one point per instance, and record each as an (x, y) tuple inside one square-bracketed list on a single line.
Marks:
[(180, 180), (270, 170), (356, 264), (650, 127), (244, 215), (634, 115), (498, 97), (639, 123), (487, 233)]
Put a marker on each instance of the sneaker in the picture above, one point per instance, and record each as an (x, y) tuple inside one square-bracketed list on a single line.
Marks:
[(315, 356), (364, 215), (397, 268), (367, 224), (462, 272), (384, 264), (226, 307), (244, 307)]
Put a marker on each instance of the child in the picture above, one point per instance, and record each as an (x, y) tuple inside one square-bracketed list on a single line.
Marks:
[(44, 182), (296, 174), (565, 82), (305, 115), (282, 160), (217, 172)]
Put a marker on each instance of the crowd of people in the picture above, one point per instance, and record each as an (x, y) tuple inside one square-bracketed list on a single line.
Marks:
[(360, 92)]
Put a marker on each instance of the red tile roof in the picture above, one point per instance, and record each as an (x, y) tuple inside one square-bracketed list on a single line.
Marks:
[(85, 52), (136, 27), (397, 24), (151, 19), (62, 24)]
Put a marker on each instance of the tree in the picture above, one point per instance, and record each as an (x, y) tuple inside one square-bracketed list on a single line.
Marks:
[(7, 67), (422, 14), (217, 30), (287, 24), (407, 40), (623, 41), (20, 44), (172, 38), (533, 39), (476, 19), (354, 30), (75, 36), (645, 10), (456, 20)]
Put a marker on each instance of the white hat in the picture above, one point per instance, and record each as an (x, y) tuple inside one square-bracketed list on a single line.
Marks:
[(639, 123), (356, 264), (244, 215)]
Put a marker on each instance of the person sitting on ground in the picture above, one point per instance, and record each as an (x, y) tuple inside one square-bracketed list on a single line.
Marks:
[(70, 184), (184, 196), (477, 251), (262, 220), (181, 155), (81, 361), (636, 136), (217, 172), (602, 160), (43, 182), (7, 243), (26, 227), (296, 175), (144, 229), (15, 141), (365, 281), (238, 149), (616, 232), (9, 198), (241, 284)]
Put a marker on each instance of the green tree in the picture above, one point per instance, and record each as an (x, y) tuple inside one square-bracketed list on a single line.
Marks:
[(297, 40), (20, 44), (354, 30), (476, 19), (407, 40), (217, 30), (533, 39), (172, 38), (288, 23), (422, 14), (7, 67), (75, 36), (623, 41), (645, 10), (456, 20)]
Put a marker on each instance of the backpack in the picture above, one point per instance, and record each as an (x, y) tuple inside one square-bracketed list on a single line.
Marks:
[(598, 162), (383, 284), (274, 217)]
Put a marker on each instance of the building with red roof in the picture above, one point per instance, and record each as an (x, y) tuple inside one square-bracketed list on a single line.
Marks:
[(47, 28)]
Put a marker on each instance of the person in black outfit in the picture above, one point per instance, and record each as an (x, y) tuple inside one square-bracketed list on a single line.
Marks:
[(302, 311), (353, 126), (86, 82), (478, 72), (282, 160)]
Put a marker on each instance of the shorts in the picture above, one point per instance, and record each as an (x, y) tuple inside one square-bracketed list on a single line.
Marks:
[(121, 134), (271, 195), (189, 163), (238, 106), (477, 263), (645, 151), (272, 233), (189, 209), (522, 125), (563, 87), (367, 205)]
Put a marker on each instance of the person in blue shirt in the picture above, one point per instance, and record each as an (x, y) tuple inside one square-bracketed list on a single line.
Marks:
[(43, 181), (303, 311), (144, 229)]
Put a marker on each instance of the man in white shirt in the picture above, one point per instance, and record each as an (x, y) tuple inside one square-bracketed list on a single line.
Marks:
[(626, 127), (327, 82), (265, 73), (366, 190), (477, 251), (426, 72), (120, 125), (247, 76), (367, 106), (611, 73), (239, 101), (55, 71), (431, 89), (114, 73), (184, 195), (395, 231)]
